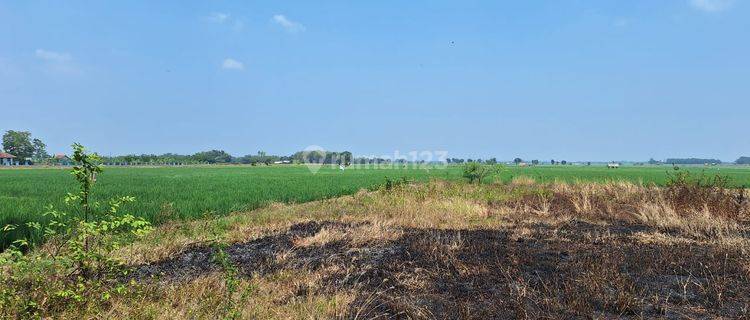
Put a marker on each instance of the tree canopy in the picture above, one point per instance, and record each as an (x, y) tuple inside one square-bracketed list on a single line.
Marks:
[(213, 156), (19, 144)]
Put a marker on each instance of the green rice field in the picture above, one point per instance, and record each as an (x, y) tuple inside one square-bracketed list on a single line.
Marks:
[(164, 193)]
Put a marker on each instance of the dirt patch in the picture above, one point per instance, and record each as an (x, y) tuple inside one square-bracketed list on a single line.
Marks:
[(258, 255), (574, 270)]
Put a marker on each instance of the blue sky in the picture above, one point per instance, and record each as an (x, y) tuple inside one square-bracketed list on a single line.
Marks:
[(575, 80)]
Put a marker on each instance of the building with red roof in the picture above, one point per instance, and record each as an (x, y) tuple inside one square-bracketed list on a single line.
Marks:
[(6, 159), (62, 159)]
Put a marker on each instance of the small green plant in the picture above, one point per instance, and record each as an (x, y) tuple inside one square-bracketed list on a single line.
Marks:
[(476, 172), (75, 265), (231, 281), (391, 184)]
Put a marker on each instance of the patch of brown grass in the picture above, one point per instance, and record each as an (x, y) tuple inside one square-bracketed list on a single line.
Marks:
[(282, 295), (454, 250)]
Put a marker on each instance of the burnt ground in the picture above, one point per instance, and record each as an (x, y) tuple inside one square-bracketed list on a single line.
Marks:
[(573, 270)]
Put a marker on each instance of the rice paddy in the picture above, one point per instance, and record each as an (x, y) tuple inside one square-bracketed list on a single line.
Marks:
[(170, 193)]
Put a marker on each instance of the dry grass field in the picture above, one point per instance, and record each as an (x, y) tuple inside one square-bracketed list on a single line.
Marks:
[(448, 250)]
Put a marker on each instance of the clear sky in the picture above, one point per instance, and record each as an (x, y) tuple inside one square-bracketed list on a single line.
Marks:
[(575, 80)]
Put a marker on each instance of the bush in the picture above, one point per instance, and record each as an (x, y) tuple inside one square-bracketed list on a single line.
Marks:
[(74, 266), (476, 172), (391, 184)]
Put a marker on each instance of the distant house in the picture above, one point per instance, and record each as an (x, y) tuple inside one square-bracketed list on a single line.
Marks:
[(6, 159), (710, 164), (613, 165), (62, 159)]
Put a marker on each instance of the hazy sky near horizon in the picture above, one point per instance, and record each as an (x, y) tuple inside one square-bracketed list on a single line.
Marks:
[(575, 80)]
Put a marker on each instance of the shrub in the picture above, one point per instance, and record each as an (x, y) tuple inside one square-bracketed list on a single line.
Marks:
[(390, 184), (74, 266), (475, 172)]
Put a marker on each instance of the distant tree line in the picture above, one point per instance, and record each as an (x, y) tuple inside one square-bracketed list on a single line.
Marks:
[(460, 161), (324, 157), (145, 159), (222, 157), (691, 161), (30, 150), (203, 157)]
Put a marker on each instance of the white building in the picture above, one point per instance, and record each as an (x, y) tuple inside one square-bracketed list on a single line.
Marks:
[(6, 159)]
